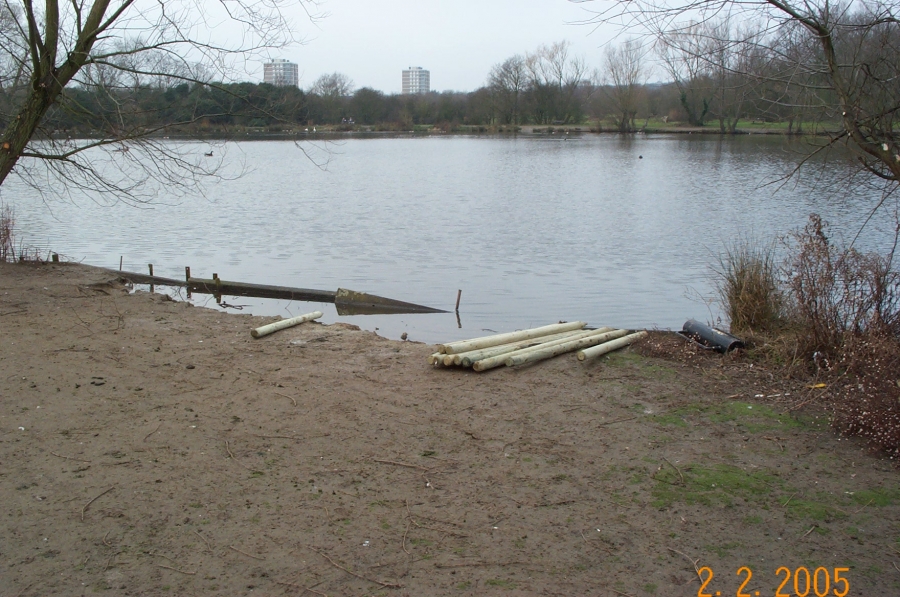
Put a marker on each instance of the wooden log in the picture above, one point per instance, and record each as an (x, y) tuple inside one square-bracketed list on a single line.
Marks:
[(467, 359), (498, 339), (596, 351), (545, 353), (284, 323), (496, 361)]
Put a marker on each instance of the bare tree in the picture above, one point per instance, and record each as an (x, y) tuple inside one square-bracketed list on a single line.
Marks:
[(683, 52), (848, 56), (554, 81), (333, 85), (624, 70), (507, 81), (332, 92), (105, 48)]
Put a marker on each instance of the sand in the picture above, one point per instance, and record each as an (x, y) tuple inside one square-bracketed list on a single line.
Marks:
[(148, 447)]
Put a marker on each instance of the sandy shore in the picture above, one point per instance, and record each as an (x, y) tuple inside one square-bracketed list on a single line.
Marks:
[(148, 447)]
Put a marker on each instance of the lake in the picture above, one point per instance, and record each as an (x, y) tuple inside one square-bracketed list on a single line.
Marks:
[(612, 230)]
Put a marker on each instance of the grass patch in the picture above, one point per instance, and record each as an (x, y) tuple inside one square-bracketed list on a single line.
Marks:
[(722, 550), (753, 418), (877, 497), (500, 582), (814, 510), (715, 485)]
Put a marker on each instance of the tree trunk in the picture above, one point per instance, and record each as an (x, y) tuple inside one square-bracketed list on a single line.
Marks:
[(43, 94)]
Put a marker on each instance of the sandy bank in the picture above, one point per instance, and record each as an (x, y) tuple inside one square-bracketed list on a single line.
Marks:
[(148, 447)]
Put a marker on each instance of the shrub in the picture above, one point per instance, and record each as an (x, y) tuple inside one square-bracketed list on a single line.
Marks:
[(747, 284), (834, 309), (841, 294), (7, 224)]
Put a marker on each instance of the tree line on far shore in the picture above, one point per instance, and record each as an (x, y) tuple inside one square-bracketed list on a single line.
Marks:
[(546, 87)]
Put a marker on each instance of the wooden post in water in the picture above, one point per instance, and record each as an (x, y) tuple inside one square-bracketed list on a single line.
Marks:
[(218, 288), (120, 262), (458, 296), (150, 266), (187, 278)]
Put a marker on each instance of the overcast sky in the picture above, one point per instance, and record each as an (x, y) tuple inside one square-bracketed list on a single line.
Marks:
[(459, 41)]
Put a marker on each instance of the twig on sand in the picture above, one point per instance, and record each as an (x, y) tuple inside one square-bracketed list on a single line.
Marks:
[(408, 522), (386, 585), (68, 457), (93, 500), (469, 564), (693, 562), (784, 505), (811, 529), (403, 543), (228, 449), (109, 561), (863, 507), (177, 570), (620, 592), (204, 540), (616, 421), (288, 397), (296, 586), (415, 466), (246, 554), (676, 469), (146, 437)]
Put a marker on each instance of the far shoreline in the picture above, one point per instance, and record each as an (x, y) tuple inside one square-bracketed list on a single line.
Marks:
[(333, 132)]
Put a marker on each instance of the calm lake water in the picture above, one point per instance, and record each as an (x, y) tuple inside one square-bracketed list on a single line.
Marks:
[(610, 230)]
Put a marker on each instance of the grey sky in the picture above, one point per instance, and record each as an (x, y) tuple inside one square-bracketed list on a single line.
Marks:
[(371, 41)]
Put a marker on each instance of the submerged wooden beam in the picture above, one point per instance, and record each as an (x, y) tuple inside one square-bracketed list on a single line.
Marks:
[(351, 302), (220, 287), (348, 302), (145, 279)]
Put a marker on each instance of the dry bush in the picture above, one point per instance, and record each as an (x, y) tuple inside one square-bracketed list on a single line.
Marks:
[(7, 241), (835, 314), (748, 287), (865, 395), (839, 293)]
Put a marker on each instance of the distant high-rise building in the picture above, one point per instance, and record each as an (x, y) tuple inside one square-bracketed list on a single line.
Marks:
[(416, 80), (281, 73)]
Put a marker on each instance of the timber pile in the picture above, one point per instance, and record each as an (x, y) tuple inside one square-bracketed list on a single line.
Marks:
[(529, 346)]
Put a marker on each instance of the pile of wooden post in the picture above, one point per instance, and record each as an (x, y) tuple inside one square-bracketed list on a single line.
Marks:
[(529, 346)]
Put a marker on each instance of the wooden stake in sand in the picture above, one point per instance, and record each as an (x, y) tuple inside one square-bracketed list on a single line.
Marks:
[(284, 323)]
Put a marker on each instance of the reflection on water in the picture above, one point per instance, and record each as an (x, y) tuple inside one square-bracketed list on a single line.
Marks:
[(612, 230)]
